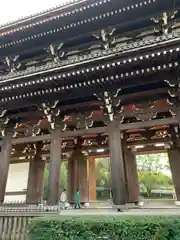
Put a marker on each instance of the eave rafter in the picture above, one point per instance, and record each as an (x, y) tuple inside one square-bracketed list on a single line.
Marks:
[(91, 82), (93, 57)]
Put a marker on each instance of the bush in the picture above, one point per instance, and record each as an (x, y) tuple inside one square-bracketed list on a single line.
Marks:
[(112, 228)]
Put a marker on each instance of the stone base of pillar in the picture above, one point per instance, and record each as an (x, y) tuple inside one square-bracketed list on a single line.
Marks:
[(140, 204), (86, 205), (177, 203)]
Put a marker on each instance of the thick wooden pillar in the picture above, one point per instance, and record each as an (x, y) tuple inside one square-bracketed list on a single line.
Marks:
[(174, 160), (54, 169), (117, 165), (77, 176), (4, 164), (92, 178), (36, 178), (83, 178), (71, 177), (131, 176)]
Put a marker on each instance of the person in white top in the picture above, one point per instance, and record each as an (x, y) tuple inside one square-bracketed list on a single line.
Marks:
[(63, 199)]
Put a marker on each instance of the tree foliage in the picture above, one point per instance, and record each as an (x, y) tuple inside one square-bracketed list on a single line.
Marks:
[(151, 174), (102, 172)]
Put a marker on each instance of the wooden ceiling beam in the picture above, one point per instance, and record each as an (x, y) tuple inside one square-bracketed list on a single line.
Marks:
[(150, 123), (96, 130)]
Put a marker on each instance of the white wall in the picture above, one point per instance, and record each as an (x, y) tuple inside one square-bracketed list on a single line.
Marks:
[(17, 181)]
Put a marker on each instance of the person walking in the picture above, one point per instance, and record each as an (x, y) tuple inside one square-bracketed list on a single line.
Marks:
[(78, 199), (63, 199)]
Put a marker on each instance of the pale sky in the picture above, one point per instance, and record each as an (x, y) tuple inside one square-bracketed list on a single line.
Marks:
[(14, 9)]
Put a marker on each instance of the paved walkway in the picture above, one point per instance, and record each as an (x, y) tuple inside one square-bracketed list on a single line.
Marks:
[(111, 212)]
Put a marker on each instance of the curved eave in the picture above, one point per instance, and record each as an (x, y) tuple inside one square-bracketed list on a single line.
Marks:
[(24, 21), (75, 7), (111, 16)]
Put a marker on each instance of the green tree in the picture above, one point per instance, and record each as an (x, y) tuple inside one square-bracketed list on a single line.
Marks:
[(102, 172), (152, 162), (149, 181), (151, 172)]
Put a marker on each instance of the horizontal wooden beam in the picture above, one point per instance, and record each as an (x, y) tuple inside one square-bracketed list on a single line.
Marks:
[(78, 133), (17, 157), (67, 134), (146, 124), (98, 130), (32, 139), (15, 193), (150, 151), (15, 160), (148, 142), (156, 109)]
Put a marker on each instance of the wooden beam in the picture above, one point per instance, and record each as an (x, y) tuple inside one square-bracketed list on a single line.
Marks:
[(152, 151), (15, 193), (148, 142), (150, 123), (83, 132), (67, 134), (16, 161), (15, 157), (156, 109), (98, 130), (144, 93), (32, 139)]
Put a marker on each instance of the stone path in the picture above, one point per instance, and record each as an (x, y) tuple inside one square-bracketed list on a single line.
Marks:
[(111, 212)]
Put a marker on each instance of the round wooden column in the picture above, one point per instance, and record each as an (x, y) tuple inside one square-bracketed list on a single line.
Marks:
[(5, 161), (77, 176), (36, 178), (174, 160), (131, 176), (54, 169), (117, 165)]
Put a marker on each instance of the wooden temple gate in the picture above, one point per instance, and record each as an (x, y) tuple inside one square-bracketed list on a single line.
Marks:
[(85, 76)]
